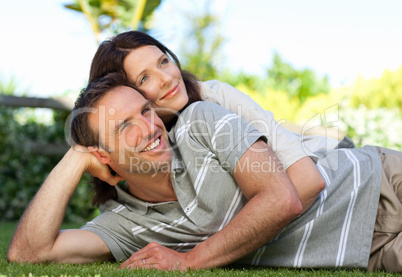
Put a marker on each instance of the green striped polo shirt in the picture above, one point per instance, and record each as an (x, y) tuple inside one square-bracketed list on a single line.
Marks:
[(207, 142)]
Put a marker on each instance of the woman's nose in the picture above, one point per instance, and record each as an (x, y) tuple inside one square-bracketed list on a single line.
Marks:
[(165, 78)]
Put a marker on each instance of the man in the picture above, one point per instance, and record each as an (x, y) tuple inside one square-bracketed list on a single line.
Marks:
[(244, 204), (134, 143)]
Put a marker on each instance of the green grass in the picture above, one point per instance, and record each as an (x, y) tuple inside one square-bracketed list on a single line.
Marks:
[(110, 268)]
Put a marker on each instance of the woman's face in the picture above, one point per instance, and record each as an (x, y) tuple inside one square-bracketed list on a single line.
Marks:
[(159, 78)]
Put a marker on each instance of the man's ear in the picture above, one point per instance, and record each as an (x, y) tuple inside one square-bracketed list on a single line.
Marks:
[(100, 154)]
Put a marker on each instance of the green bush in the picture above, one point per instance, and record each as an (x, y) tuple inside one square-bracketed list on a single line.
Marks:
[(369, 112), (380, 127), (23, 170), (383, 92), (300, 84)]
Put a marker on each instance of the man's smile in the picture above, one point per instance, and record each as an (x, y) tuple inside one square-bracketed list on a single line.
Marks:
[(152, 145)]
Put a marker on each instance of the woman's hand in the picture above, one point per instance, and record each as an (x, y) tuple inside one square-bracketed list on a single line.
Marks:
[(157, 256)]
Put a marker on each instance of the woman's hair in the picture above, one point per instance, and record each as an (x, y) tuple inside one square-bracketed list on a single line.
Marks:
[(107, 71), (111, 54)]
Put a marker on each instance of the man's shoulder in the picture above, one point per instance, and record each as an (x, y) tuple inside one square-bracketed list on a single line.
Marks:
[(201, 118), (202, 109)]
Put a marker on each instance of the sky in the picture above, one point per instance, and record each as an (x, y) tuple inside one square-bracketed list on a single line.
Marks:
[(48, 49)]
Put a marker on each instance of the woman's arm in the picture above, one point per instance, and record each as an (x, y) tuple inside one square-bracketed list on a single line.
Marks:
[(287, 145), (307, 181)]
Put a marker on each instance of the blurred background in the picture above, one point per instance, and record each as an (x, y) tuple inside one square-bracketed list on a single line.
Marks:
[(322, 67)]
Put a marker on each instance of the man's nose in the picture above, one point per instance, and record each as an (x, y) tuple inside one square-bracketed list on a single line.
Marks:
[(151, 125), (143, 131), (148, 127)]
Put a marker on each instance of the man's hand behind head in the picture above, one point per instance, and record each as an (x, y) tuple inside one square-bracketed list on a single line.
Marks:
[(95, 167)]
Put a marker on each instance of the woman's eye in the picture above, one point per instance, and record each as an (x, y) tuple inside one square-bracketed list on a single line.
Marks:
[(143, 79), (165, 61)]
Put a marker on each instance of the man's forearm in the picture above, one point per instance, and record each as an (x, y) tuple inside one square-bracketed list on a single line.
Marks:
[(273, 203), (253, 227), (40, 224), (264, 216)]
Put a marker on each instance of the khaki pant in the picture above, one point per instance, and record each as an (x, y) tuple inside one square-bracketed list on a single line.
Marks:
[(386, 249)]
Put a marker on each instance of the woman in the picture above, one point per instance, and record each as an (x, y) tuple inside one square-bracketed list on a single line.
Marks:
[(126, 53), (146, 63)]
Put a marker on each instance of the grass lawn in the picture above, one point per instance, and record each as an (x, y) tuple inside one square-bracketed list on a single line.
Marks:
[(110, 268)]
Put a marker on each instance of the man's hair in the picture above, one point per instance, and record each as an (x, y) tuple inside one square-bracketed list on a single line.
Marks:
[(111, 54), (81, 132)]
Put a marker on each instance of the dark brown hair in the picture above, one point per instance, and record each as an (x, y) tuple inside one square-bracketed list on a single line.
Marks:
[(81, 133), (111, 54)]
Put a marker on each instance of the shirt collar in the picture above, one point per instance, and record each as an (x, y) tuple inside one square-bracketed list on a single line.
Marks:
[(136, 205), (177, 165), (131, 202)]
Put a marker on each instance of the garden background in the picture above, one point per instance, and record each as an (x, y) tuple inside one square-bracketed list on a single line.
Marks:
[(368, 110)]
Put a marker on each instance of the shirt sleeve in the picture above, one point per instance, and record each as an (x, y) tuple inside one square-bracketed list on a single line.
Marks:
[(286, 145), (218, 130), (115, 232)]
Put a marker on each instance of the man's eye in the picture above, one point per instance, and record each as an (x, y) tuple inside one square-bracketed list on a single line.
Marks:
[(146, 110), (125, 126)]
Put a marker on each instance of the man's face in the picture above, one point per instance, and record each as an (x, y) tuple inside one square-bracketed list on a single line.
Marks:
[(133, 136)]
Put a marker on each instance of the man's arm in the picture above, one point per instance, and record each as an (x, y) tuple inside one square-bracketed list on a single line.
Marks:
[(38, 237), (273, 203)]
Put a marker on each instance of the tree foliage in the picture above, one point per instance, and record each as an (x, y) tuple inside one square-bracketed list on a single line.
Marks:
[(200, 52), (115, 16), (299, 84), (379, 126), (8, 87), (23, 169), (383, 92)]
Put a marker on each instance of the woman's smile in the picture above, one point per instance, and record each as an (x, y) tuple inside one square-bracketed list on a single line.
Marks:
[(172, 92)]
